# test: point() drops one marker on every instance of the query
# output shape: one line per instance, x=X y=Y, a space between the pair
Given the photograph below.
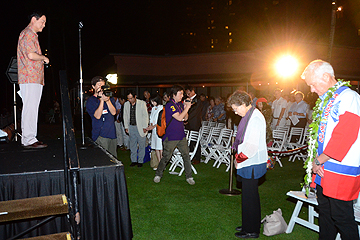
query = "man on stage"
x=31 y=78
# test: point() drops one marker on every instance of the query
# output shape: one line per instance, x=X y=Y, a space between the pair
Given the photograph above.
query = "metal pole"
x=230 y=191
x=81 y=89
x=15 y=122
x=332 y=30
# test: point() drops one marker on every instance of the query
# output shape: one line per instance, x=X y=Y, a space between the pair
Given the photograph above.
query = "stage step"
x=33 y=207
x=57 y=236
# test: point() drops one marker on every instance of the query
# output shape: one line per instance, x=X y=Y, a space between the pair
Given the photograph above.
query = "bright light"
x=112 y=78
x=286 y=66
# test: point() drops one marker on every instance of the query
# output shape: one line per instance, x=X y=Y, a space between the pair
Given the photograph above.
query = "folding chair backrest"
x=283 y=128
x=305 y=138
x=220 y=125
x=205 y=132
x=295 y=131
x=225 y=137
x=212 y=124
x=279 y=137
x=204 y=123
x=214 y=135
x=194 y=136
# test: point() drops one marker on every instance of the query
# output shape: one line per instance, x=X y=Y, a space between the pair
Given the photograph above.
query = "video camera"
x=106 y=91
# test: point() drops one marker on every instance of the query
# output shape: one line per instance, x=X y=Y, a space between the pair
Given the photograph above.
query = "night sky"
x=155 y=27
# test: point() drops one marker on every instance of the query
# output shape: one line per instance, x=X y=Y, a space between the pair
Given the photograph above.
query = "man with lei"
x=334 y=151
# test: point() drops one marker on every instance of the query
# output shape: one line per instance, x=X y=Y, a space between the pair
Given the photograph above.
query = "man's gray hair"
x=318 y=68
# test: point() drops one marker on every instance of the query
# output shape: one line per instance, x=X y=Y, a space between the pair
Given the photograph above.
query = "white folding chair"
x=295 y=133
x=204 y=136
x=311 y=204
x=221 y=152
x=279 y=137
x=177 y=160
x=211 y=140
x=220 y=125
x=294 y=139
x=304 y=142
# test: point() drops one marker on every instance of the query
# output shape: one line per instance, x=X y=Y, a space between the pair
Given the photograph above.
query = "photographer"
x=101 y=110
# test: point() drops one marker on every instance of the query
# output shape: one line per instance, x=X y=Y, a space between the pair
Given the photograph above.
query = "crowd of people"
x=136 y=122
x=116 y=123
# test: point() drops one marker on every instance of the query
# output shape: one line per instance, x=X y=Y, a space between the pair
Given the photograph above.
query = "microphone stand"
x=81 y=91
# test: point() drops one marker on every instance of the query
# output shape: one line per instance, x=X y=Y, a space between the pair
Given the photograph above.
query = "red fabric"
x=343 y=136
x=240 y=157
x=340 y=186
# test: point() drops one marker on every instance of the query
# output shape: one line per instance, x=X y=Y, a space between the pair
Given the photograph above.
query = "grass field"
x=173 y=209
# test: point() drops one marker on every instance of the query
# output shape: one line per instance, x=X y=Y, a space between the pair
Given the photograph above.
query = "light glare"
x=112 y=78
x=286 y=66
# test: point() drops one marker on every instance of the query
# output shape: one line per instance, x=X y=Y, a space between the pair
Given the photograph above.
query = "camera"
x=187 y=100
x=106 y=91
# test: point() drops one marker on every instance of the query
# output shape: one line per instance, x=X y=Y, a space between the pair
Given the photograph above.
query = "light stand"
x=12 y=74
x=81 y=90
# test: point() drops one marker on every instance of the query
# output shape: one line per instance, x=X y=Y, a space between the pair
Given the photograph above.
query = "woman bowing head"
x=250 y=162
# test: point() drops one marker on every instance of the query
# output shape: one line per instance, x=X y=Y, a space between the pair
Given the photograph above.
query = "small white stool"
x=300 y=196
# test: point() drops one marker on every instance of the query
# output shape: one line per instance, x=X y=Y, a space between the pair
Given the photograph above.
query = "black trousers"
x=336 y=216
x=198 y=150
x=251 y=210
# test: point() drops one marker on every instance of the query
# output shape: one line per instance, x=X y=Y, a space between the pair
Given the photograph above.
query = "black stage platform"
x=103 y=197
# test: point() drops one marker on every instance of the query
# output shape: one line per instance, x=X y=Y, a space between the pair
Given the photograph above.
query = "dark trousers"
x=168 y=149
x=336 y=216
x=198 y=151
x=251 y=210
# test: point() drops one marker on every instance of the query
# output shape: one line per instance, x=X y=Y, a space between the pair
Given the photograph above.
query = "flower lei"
x=313 y=130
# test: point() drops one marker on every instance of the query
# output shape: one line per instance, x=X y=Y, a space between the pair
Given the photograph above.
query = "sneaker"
x=189 y=180
x=157 y=179
x=133 y=164
x=140 y=164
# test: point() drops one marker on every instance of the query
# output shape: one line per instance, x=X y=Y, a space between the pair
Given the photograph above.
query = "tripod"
x=12 y=74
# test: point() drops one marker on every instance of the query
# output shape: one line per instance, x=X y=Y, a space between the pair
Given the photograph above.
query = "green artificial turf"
x=173 y=209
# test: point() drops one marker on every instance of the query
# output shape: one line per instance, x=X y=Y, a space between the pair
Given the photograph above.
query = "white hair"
x=318 y=68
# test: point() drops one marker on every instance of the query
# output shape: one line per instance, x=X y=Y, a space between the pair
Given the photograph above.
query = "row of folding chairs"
x=176 y=158
x=286 y=138
x=216 y=145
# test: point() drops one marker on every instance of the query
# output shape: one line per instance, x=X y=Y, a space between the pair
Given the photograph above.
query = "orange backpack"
x=161 y=124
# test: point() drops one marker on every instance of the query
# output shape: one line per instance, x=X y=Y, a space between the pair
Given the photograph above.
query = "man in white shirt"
x=278 y=107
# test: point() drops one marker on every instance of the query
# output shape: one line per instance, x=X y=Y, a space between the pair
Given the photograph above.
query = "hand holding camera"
x=187 y=102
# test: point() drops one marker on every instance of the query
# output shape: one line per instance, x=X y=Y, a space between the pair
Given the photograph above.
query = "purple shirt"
x=174 y=130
